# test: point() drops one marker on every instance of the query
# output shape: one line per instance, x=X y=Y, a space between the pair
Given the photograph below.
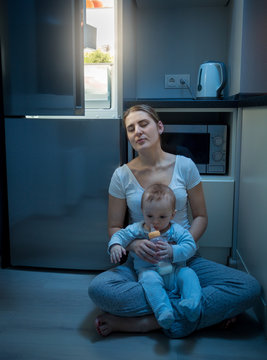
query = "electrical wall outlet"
x=177 y=81
x=171 y=81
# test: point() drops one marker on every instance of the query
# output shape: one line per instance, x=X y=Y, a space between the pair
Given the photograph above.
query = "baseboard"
x=260 y=308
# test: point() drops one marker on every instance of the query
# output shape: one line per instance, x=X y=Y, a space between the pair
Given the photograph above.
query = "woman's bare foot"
x=106 y=324
x=226 y=324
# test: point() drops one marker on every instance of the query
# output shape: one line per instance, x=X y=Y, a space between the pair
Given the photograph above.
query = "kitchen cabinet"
x=247 y=47
x=58 y=191
x=252 y=225
x=217 y=241
x=253 y=78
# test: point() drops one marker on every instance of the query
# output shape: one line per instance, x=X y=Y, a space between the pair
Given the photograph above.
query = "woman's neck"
x=153 y=157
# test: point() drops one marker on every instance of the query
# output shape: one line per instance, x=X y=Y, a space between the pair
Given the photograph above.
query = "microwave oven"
x=206 y=145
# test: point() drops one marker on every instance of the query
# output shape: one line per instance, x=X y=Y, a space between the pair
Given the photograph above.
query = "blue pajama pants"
x=226 y=292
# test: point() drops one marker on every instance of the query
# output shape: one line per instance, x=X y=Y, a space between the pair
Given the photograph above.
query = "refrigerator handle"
x=79 y=57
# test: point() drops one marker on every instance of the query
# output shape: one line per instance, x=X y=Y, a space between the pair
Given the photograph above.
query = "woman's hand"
x=116 y=253
x=164 y=250
x=145 y=249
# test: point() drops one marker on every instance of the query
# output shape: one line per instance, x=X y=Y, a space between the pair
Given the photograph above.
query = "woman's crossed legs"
x=226 y=292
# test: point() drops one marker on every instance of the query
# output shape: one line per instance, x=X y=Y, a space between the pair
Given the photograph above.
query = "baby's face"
x=158 y=214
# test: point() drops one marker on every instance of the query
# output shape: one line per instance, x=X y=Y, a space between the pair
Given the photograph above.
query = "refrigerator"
x=58 y=167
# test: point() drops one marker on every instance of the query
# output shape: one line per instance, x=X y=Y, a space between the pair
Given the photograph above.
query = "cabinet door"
x=42 y=49
x=252 y=224
x=58 y=191
x=219 y=200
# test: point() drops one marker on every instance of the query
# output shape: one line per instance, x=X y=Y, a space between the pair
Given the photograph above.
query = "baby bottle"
x=163 y=266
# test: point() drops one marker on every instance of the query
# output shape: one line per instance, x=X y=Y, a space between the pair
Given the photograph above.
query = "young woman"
x=226 y=291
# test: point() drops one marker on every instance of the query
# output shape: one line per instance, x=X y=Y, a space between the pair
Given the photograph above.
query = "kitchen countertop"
x=253 y=100
x=240 y=100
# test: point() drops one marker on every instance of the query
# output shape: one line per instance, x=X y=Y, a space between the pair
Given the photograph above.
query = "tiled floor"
x=47 y=315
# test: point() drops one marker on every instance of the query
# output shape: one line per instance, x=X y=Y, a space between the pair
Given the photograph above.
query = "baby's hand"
x=164 y=249
x=116 y=253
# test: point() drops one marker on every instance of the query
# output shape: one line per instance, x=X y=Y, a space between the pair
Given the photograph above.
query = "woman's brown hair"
x=142 y=107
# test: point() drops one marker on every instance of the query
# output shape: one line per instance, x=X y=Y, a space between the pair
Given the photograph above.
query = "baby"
x=175 y=245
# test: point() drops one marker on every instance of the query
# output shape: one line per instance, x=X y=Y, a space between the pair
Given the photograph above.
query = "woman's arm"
x=199 y=213
x=116 y=214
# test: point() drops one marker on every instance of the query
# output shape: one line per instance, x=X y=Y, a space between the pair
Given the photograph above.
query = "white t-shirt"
x=124 y=185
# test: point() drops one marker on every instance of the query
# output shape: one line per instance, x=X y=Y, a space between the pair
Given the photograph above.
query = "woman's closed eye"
x=130 y=128
x=143 y=123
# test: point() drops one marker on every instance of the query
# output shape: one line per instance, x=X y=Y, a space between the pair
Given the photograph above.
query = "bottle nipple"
x=153 y=233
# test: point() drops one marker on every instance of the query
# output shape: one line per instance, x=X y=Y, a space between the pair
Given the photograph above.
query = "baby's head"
x=158 y=206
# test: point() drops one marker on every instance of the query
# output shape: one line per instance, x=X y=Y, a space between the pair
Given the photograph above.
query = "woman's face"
x=142 y=131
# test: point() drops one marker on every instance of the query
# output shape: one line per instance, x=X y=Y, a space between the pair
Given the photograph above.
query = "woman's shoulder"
x=182 y=160
x=121 y=169
x=134 y=164
x=117 y=182
x=186 y=171
x=121 y=172
x=124 y=175
x=184 y=163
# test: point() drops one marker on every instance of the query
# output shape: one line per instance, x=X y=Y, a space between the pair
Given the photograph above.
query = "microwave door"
x=192 y=141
